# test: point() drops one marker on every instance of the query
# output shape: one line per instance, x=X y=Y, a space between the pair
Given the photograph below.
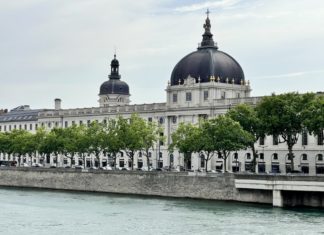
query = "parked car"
x=106 y=168
x=123 y=169
x=52 y=166
x=37 y=165
x=25 y=165
x=145 y=168
x=79 y=167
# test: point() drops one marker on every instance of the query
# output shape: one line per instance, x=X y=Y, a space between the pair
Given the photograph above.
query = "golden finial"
x=179 y=81
x=199 y=79
x=233 y=81
x=218 y=79
x=227 y=80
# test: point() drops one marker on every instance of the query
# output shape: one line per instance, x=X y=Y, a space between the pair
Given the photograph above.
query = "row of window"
x=206 y=96
x=304 y=140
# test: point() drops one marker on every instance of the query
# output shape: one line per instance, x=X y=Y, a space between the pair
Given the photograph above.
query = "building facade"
x=204 y=84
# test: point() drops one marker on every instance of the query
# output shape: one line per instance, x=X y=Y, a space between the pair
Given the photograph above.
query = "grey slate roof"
x=20 y=115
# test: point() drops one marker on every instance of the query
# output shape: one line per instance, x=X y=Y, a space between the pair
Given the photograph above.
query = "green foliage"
x=284 y=115
x=314 y=116
x=250 y=122
x=186 y=140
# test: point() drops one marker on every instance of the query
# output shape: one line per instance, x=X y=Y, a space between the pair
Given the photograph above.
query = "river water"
x=25 y=211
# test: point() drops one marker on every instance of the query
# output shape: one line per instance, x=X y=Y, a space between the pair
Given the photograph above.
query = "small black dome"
x=114 y=86
x=207 y=62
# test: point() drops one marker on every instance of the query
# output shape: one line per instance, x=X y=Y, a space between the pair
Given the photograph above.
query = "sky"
x=62 y=49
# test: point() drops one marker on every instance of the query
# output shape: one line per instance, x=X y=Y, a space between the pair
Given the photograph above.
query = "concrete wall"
x=192 y=185
x=217 y=186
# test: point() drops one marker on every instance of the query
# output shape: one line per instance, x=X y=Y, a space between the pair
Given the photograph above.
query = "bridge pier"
x=277 y=199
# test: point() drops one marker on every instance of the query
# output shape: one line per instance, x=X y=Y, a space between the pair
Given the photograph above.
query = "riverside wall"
x=167 y=184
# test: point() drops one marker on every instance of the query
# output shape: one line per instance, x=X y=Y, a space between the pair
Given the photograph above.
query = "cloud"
x=208 y=4
x=291 y=75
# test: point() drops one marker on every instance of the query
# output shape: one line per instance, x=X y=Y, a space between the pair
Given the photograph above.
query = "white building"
x=205 y=83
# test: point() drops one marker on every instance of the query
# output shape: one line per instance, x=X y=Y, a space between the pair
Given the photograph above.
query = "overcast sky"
x=62 y=49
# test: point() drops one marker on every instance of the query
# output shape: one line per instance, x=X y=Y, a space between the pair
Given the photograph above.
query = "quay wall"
x=166 y=184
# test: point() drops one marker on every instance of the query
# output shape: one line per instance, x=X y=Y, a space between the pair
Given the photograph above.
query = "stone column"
x=277 y=199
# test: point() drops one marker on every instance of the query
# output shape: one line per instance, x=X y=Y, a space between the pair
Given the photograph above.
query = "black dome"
x=207 y=62
x=114 y=86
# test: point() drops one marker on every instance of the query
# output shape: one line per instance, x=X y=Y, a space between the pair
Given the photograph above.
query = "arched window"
x=320 y=157
x=248 y=156
x=275 y=157
x=304 y=157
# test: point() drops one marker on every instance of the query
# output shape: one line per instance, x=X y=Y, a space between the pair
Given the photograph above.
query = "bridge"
x=287 y=190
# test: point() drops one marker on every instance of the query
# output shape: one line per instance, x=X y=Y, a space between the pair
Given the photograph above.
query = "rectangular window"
x=150 y=119
x=188 y=96
x=161 y=141
x=81 y=123
x=25 y=126
x=66 y=124
x=175 y=98
x=304 y=138
x=275 y=140
x=36 y=126
x=73 y=123
x=206 y=95
x=5 y=128
x=320 y=138
x=30 y=126
x=223 y=95
x=238 y=95
x=261 y=155
x=261 y=141
x=49 y=125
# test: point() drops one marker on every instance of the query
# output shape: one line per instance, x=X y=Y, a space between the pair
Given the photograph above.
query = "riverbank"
x=211 y=186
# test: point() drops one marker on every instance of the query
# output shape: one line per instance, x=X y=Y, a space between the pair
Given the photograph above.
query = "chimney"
x=57 y=104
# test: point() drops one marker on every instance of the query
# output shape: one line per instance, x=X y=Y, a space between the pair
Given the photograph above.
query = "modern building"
x=204 y=84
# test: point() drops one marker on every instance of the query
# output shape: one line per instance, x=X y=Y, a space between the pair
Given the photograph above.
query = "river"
x=25 y=211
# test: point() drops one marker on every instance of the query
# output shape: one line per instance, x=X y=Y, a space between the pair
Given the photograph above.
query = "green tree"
x=95 y=133
x=185 y=140
x=150 y=135
x=284 y=115
x=112 y=142
x=250 y=122
x=227 y=136
x=130 y=132
x=314 y=116
x=20 y=140
x=5 y=144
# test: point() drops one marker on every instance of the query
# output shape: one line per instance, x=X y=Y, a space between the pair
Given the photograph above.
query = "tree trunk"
x=291 y=156
x=254 y=158
x=132 y=159
x=147 y=160
x=225 y=159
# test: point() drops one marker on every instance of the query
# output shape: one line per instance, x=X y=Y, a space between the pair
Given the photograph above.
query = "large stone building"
x=205 y=83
